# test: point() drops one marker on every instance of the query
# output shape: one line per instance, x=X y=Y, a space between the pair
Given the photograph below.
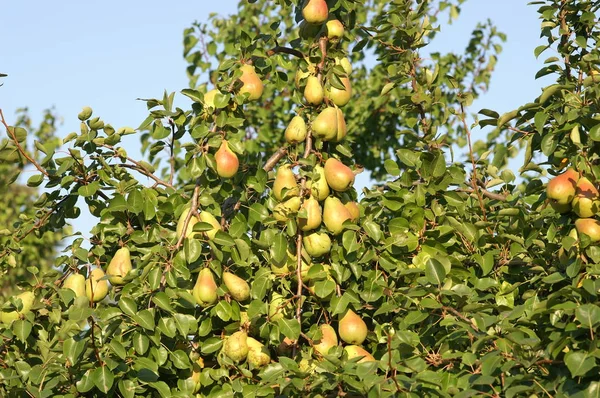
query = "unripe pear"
x=284 y=210
x=313 y=92
x=353 y=209
x=344 y=63
x=335 y=29
x=590 y=227
x=318 y=187
x=94 y=285
x=295 y=131
x=313 y=215
x=339 y=176
x=236 y=346
x=205 y=289
x=27 y=299
x=340 y=97
x=586 y=202
x=317 y=244
x=119 y=266
x=258 y=356
x=285 y=185
x=328 y=339
x=325 y=125
x=207 y=217
x=277 y=309
x=352 y=329
x=562 y=187
x=252 y=83
x=190 y=227
x=227 y=161
x=315 y=11
x=238 y=288
x=334 y=215
x=75 y=282
x=355 y=351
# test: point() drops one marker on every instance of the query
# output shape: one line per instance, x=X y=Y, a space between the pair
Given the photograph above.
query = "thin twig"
x=284 y=50
x=172 y=158
x=193 y=210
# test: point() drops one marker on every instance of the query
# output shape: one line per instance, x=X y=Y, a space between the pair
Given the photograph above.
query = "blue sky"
x=69 y=54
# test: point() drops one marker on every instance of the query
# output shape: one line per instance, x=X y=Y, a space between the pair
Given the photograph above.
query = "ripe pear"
x=313 y=92
x=94 y=285
x=205 y=289
x=334 y=215
x=562 y=187
x=341 y=126
x=344 y=63
x=313 y=215
x=284 y=210
x=236 y=346
x=352 y=329
x=27 y=299
x=207 y=217
x=119 y=266
x=355 y=351
x=258 y=356
x=325 y=125
x=317 y=244
x=295 y=131
x=75 y=282
x=227 y=161
x=335 y=29
x=238 y=288
x=339 y=176
x=285 y=185
x=587 y=200
x=252 y=83
x=315 y=11
x=318 y=187
x=353 y=209
x=338 y=96
x=190 y=227
x=328 y=339
x=590 y=227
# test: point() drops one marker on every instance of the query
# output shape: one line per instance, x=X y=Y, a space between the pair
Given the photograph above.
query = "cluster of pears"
x=240 y=347
x=317 y=21
x=201 y=216
x=27 y=299
x=206 y=293
x=570 y=192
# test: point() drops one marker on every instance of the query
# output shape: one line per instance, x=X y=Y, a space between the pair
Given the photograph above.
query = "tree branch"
x=274 y=159
x=285 y=50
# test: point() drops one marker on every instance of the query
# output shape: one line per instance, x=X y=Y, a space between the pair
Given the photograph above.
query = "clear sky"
x=69 y=54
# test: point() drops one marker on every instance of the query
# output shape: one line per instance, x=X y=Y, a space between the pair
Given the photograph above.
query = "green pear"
x=277 y=307
x=285 y=185
x=355 y=351
x=207 y=217
x=317 y=244
x=95 y=288
x=205 y=289
x=238 y=288
x=334 y=215
x=315 y=11
x=227 y=161
x=586 y=202
x=338 y=96
x=313 y=92
x=27 y=299
x=283 y=211
x=190 y=227
x=562 y=187
x=352 y=329
x=258 y=356
x=236 y=346
x=312 y=215
x=75 y=282
x=325 y=125
x=252 y=83
x=328 y=340
x=335 y=29
x=318 y=187
x=344 y=63
x=339 y=176
x=295 y=131
x=590 y=227
x=119 y=266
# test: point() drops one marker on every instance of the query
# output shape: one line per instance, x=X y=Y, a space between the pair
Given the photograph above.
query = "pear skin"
x=353 y=209
x=227 y=161
x=590 y=227
x=277 y=307
x=27 y=299
x=283 y=211
x=285 y=185
x=205 y=216
x=355 y=351
x=295 y=131
x=338 y=96
x=238 y=288
x=181 y=223
x=339 y=176
x=317 y=244
x=209 y=98
x=335 y=29
x=75 y=282
x=318 y=187
x=334 y=215
x=586 y=202
x=236 y=346
x=341 y=126
x=562 y=187
x=258 y=356
x=119 y=266
x=205 y=289
x=344 y=63
x=313 y=215
x=328 y=340
x=313 y=92
x=96 y=289
x=352 y=329
x=252 y=83
x=325 y=125
x=315 y=11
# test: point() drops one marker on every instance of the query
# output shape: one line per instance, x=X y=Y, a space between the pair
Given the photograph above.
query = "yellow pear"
x=181 y=223
x=205 y=216
x=197 y=367
x=75 y=282
x=227 y=161
x=334 y=215
x=587 y=200
x=355 y=351
x=96 y=289
x=325 y=125
x=318 y=187
x=209 y=98
x=258 y=356
x=335 y=29
x=317 y=244
x=339 y=176
x=238 y=288
x=590 y=227
x=313 y=92
x=328 y=340
x=285 y=185
x=341 y=126
x=344 y=63
x=205 y=289
x=27 y=299
x=295 y=131
x=312 y=218
x=284 y=210
x=315 y=11
x=252 y=83
x=236 y=346
x=562 y=187
x=338 y=96
x=353 y=209
x=119 y=266
x=352 y=329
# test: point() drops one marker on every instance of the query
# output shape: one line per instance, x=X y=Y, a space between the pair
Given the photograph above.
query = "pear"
x=209 y=98
x=352 y=329
x=227 y=161
x=313 y=92
x=295 y=131
x=334 y=215
x=190 y=226
x=197 y=367
x=587 y=201
x=325 y=125
x=315 y=11
x=258 y=356
x=318 y=187
x=119 y=266
x=306 y=366
x=562 y=187
x=353 y=209
x=236 y=346
x=207 y=217
x=205 y=289
x=590 y=227
x=338 y=96
x=312 y=220
x=339 y=176
x=252 y=83
x=355 y=351
x=277 y=310
x=27 y=299
x=285 y=185
x=344 y=63
x=94 y=285
x=282 y=211
x=317 y=244
x=281 y=269
x=335 y=29
x=75 y=282
x=238 y=288
x=341 y=126
x=328 y=340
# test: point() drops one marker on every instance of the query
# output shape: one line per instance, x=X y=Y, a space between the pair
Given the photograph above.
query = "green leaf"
x=103 y=379
x=435 y=272
x=595 y=132
x=22 y=329
x=579 y=363
x=588 y=315
x=289 y=327
x=145 y=319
